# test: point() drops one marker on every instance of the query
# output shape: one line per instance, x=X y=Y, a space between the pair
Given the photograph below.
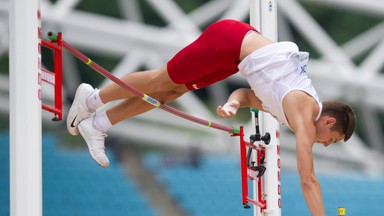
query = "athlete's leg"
x=148 y=82
x=135 y=106
x=151 y=82
x=156 y=84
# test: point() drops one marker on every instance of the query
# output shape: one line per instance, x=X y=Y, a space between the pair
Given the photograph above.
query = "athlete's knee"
x=160 y=81
x=168 y=95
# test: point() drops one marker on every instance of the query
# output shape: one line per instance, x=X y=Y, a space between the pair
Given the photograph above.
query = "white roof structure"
x=141 y=45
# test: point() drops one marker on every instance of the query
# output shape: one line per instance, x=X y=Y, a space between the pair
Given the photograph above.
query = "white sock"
x=94 y=101
x=101 y=122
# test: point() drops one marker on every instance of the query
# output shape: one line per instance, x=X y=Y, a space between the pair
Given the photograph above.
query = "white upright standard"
x=25 y=109
x=263 y=16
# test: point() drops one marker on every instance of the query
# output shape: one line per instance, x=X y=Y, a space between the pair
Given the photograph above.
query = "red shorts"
x=212 y=57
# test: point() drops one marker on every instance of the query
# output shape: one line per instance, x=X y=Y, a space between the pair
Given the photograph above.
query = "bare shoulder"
x=300 y=109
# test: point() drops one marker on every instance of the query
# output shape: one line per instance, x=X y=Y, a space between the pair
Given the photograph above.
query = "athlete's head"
x=337 y=122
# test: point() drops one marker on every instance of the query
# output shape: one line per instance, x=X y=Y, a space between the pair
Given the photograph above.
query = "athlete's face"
x=324 y=132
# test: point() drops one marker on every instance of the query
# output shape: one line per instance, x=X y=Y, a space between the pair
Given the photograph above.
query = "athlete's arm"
x=241 y=97
x=308 y=181
x=301 y=111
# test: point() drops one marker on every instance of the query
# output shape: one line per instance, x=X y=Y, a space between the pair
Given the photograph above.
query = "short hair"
x=344 y=115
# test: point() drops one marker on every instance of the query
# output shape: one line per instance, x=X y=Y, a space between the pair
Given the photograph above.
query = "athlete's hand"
x=229 y=109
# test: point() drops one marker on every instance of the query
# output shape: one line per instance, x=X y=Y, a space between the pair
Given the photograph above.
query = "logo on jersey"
x=303 y=59
x=195 y=86
x=303 y=69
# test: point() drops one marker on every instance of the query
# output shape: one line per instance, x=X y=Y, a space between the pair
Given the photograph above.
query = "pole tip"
x=235 y=130
x=52 y=36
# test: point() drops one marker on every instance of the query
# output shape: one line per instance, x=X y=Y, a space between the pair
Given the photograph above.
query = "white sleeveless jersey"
x=275 y=70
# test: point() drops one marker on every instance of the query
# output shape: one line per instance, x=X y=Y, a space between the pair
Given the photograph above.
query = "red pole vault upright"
x=54 y=78
x=253 y=170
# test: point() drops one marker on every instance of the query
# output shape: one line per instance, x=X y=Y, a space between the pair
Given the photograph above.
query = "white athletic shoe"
x=95 y=141
x=79 y=109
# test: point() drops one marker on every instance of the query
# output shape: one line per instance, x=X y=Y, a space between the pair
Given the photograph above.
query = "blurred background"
x=164 y=165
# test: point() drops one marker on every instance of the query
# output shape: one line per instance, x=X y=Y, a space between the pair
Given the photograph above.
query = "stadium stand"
x=74 y=186
x=214 y=188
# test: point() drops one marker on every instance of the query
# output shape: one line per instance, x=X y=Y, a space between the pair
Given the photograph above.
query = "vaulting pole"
x=140 y=94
